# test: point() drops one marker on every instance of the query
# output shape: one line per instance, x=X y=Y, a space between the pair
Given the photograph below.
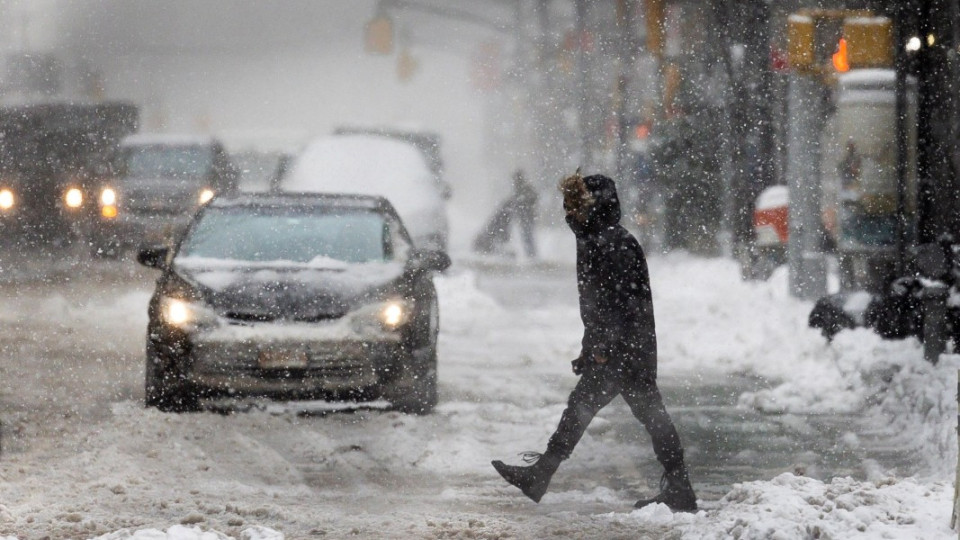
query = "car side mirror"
x=430 y=260
x=153 y=256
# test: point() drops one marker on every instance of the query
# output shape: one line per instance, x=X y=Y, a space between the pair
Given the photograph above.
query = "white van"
x=374 y=165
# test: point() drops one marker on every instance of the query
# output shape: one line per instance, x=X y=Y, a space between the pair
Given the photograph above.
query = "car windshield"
x=164 y=161
x=300 y=235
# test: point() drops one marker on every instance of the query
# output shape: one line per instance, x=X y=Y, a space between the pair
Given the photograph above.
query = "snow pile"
x=182 y=532
x=759 y=329
x=920 y=404
x=796 y=507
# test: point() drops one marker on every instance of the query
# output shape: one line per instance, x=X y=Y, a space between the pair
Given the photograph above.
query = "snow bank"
x=797 y=507
x=757 y=328
x=182 y=532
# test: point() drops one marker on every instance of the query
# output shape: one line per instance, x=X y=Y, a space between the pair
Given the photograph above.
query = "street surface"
x=71 y=389
x=726 y=443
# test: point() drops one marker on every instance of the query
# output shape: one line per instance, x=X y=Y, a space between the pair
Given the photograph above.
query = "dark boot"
x=533 y=479
x=675 y=492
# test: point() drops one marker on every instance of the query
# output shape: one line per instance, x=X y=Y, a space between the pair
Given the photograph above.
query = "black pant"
x=525 y=219
x=597 y=387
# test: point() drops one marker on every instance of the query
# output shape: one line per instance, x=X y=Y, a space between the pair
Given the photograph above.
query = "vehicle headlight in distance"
x=108 y=197
x=73 y=198
x=185 y=314
x=206 y=195
x=7 y=199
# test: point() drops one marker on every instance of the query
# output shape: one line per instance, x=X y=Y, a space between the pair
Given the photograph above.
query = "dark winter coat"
x=616 y=305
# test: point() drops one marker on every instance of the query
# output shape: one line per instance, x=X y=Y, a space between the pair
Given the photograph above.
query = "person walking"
x=619 y=346
x=525 y=208
x=521 y=208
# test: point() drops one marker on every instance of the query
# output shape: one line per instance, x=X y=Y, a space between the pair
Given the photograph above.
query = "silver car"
x=293 y=296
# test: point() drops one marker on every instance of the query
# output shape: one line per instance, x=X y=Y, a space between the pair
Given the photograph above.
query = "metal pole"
x=735 y=129
x=807 y=263
x=934 y=321
x=900 y=93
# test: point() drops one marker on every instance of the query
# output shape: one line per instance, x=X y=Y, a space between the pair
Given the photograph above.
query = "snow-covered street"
x=767 y=155
x=787 y=436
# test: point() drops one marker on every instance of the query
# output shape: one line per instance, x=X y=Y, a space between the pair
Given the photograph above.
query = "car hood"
x=288 y=291
x=155 y=193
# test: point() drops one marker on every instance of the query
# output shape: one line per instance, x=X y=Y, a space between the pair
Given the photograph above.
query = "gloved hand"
x=577 y=365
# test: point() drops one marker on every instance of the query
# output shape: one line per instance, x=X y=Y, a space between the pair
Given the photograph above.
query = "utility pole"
x=746 y=24
x=900 y=96
x=807 y=98
x=936 y=117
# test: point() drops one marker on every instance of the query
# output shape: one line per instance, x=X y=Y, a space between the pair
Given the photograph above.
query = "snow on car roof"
x=293 y=198
x=364 y=164
x=171 y=139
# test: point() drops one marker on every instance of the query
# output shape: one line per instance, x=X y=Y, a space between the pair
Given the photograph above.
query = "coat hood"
x=603 y=210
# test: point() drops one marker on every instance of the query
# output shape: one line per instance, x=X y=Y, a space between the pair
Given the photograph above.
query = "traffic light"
x=379 y=35
x=869 y=41
x=841 y=58
x=829 y=41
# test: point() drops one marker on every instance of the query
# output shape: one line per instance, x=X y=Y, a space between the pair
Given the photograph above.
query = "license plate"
x=282 y=359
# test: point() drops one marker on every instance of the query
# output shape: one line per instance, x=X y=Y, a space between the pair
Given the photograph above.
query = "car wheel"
x=418 y=393
x=420 y=396
x=429 y=325
x=165 y=390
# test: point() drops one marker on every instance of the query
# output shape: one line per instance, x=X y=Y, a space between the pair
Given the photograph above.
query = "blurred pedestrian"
x=525 y=209
x=520 y=208
x=850 y=167
x=619 y=346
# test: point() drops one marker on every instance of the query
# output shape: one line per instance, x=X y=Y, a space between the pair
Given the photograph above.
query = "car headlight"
x=73 y=198
x=393 y=314
x=108 y=197
x=185 y=314
x=386 y=315
x=7 y=200
x=206 y=195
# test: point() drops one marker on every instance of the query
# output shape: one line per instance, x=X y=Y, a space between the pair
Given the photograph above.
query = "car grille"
x=251 y=317
x=322 y=361
x=151 y=204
